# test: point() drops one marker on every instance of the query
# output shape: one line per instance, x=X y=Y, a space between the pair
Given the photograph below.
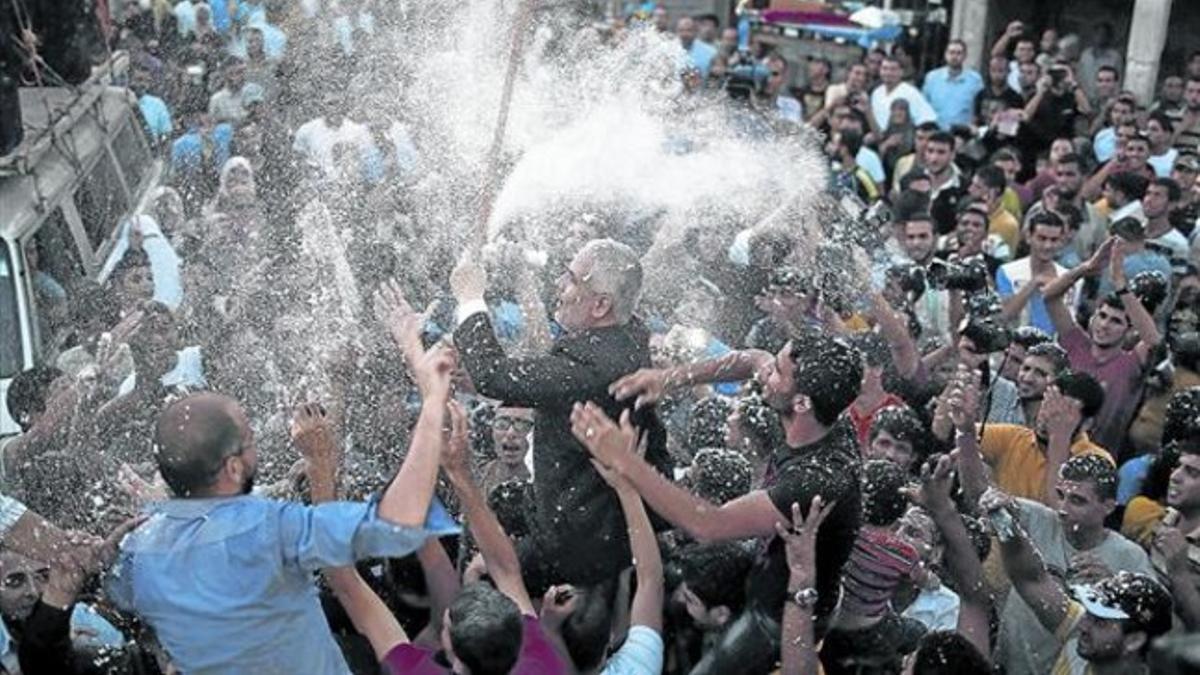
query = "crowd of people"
x=300 y=428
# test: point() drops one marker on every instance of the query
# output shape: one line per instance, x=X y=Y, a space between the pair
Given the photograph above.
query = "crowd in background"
x=280 y=437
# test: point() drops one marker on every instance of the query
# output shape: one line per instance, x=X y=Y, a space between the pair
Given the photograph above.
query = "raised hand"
x=468 y=280
x=559 y=603
x=937 y=479
x=456 y=450
x=647 y=386
x=1095 y=264
x=401 y=321
x=433 y=371
x=1062 y=414
x=801 y=539
x=311 y=432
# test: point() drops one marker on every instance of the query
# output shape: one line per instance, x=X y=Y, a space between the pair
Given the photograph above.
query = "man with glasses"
x=511 y=429
x=579 y=527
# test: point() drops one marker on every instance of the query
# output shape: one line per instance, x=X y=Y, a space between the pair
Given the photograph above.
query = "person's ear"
x=234 y=469
x=801 y=404
x=1110 y=505
x=1133 y=642
x=602 y=307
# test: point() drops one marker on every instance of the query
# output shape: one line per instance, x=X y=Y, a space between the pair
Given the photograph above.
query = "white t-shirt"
x=315 y=139
x=881 y=104
x=642 y=654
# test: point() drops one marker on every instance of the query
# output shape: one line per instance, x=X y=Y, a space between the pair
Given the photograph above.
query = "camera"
x=983 y=325
x=909 y=277
x=970 y=275
x=745 y=80
x=987 y=333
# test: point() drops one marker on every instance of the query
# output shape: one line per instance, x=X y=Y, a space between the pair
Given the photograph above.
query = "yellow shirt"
x=1069 y=662
x=1002 y=224
x=1012 y=203
x=1019 y=464
x=1141 y=519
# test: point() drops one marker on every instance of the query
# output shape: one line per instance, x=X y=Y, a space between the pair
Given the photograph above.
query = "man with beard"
x=1175 y=552
x=225 y=578
x=579 y=525
x=810 y=383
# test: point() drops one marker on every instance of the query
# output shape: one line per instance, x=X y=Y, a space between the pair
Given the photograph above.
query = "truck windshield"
x=10 y=329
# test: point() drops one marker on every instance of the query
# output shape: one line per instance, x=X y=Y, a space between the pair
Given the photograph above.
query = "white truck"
x=84 y=165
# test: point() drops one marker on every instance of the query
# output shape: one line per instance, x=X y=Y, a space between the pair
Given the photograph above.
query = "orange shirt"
x=1019 y=463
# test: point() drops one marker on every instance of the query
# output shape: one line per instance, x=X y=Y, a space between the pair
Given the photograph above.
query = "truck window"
x=53 y=260
x=11 y=362
x=101 y=201
x=132 y=154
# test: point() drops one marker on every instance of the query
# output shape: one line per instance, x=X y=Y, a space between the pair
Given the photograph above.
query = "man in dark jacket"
x=579 y=523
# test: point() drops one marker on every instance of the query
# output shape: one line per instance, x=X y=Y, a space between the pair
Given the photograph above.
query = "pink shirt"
x=537 y=656
x=1121 y=377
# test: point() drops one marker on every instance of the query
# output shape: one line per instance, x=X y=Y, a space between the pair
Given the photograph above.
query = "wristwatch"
x=805 y=598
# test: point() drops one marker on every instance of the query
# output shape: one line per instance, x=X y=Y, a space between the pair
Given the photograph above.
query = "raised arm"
x=503 y=565
x=904 y=351
x=1054 y=291
x=322 y=459
x=964 y=413
x=648 y=385
x=647 y=609
x=1142 y=321
x=798 y=651
x=1064 y=415
x=752 y=515
x=1025 y=568
x=963 y=563
x=1011 y=32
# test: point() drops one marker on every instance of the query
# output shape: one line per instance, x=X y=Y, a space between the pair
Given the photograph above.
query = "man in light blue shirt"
x=225 y=578
x=700 y=53
x=952 y=89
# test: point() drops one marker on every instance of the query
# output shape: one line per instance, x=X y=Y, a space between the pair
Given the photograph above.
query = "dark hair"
x=28 y=391
x=1110 y=69
x=706 y=423
x=192 y=439
x=1083 y=388
x=1181 y=419
x=132 y=259
x=724 y=476
x=1163 y=120
x=992 y=177
x=1045 y=219
x=485 y=629
x=882 y=501
x=1094 y=468
x=1057 y=356
x=586 y=632
x=874 y=348
x=1158 y=475
x=947 y=652
x=1174 y=192
x=1113 y=301
x=716 y=572
x=1029 y=336
x=1073 y=158
x=1132 y=185
x=908 y=204
x=1071 y=216
x=852 y=140
x=1005 y=155
x=928 y=127
x=903 y=424
x=942 y=137
x=760 y=421
x=829 y=372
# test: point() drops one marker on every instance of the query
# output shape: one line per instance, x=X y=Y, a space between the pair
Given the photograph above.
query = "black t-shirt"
x=829 y=468
x=988 y=102
x=1055 y=117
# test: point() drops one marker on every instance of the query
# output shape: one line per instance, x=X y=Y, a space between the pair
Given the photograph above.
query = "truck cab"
x=83 y=167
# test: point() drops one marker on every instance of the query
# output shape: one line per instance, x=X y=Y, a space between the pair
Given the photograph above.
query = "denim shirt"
x=227 y=584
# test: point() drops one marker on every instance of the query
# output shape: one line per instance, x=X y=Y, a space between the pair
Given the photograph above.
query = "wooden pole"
x=491 y=182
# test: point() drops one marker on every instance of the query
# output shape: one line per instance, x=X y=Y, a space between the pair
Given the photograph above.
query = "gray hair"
x=616 y=272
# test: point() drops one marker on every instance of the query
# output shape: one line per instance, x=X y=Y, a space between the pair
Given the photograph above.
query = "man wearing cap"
x=1106 y=621
x=1104 y=627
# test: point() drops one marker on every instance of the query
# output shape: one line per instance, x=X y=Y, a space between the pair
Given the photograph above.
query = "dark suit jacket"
x=578 y=524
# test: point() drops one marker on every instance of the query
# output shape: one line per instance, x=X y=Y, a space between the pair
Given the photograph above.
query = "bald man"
x=225 y=577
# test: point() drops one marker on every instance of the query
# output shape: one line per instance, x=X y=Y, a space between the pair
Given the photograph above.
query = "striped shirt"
x=880 y=562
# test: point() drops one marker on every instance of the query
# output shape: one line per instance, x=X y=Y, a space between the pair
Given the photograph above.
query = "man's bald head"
x=193 y=437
